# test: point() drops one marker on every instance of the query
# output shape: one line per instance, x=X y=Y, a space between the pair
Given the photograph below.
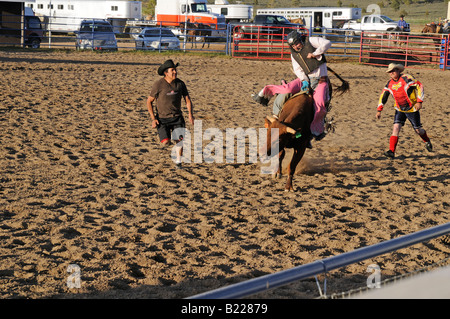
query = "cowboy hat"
x=167 y=65
x=393 y=66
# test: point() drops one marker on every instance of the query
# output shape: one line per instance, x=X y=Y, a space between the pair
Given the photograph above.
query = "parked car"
x=157 y=39
x=96 y=35
x=33 y=32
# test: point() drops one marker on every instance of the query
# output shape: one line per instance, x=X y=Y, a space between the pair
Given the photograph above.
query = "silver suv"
x=96 y=35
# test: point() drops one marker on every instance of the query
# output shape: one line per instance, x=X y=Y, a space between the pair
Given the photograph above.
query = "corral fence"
x=271 y=281
x=411 y=50
x=63 y=34
x=374 y=48
x=262 y=42
x=270 y=42
x=240 y=40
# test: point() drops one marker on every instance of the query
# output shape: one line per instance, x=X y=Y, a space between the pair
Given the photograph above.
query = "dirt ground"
x=86 y=182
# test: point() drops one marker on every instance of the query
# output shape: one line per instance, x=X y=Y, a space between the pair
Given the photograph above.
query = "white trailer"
x=317 y=17
x=232 y=12
x=66 y=15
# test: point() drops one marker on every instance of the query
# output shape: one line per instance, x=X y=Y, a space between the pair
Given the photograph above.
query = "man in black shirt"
x=167 y=92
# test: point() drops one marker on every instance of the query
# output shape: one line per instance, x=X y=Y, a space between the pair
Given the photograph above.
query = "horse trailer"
x=317 y=17
x=66 y=15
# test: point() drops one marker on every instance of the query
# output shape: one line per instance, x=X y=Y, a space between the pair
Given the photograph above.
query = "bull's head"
x=284 y=136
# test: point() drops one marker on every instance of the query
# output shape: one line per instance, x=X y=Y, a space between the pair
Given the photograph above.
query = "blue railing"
x=287 y=276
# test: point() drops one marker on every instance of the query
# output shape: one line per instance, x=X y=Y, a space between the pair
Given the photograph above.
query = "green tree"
x=148 y=8
x=395 y=4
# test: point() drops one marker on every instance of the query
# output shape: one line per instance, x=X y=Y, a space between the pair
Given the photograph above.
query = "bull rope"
x=345 y=87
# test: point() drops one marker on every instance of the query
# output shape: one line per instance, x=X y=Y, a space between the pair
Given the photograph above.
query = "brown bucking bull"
x=294 y=131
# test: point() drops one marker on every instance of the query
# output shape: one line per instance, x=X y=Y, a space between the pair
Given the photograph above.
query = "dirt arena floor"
x=85 y=181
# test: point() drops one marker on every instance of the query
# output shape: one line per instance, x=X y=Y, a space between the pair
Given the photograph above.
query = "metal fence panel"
x=281 y=278
x=260 y=44
x=412 y=50
x=59 y=33
x=374 y=48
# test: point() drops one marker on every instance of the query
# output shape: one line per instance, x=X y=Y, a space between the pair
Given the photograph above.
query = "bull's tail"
x=345 y=86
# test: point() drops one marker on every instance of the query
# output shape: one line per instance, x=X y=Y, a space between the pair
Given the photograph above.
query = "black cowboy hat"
x=167 y=65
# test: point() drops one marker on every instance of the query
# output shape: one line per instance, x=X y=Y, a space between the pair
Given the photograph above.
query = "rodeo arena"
x=36 y=26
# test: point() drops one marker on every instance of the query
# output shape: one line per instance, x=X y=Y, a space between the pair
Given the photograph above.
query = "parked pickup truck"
x=266 y=26
x=373 y=22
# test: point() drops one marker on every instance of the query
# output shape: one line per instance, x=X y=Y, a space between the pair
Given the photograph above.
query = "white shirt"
x=321 y=45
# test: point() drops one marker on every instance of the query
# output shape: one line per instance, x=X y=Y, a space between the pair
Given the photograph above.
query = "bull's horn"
x=271 y=118
x=291 y=130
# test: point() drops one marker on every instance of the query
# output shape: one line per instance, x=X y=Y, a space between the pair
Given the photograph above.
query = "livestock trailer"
x=66 y=15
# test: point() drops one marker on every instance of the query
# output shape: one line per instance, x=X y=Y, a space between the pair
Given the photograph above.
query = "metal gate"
x=411 y=50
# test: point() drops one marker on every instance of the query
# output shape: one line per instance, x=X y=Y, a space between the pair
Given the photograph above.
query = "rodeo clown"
x=408 y=97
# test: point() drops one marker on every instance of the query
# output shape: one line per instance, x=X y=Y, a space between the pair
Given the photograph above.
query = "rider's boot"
x=260 y=99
